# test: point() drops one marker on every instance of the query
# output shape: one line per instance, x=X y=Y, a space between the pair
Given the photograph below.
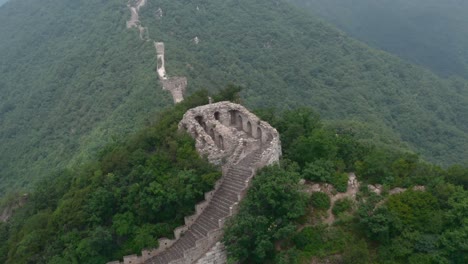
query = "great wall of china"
x=230 y=136
x=237 y=140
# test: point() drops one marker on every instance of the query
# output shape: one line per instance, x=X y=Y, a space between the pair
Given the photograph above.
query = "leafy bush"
x=342 y=205
x=320 y=240
x=320 y=170
x=340 y=181
x=356 y=253
x=267 y=214
x=320 y=200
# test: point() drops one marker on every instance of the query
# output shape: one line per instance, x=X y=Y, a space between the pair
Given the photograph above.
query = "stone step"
x=238 y=173
x=205 y=225
x=219 y=212
x=220 y=206
x=240 y=184
x=227 y=200
x=234 y=188
x=211 y=218
x=239 y=180
x=173 y=254
x=212 y=215
x=197 y=234
x=190 y=236
x=211 y=221
x=226 y=191
x=230 y=194
x=220 y=202
x=239 y=169
x=186 y=244
x=177 y=249
x=200 y=229
x=161 y=259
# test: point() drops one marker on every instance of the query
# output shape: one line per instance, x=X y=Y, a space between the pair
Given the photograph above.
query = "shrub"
x=342 y=205
x=340 y=182
x=319 y=171
x=320 y=201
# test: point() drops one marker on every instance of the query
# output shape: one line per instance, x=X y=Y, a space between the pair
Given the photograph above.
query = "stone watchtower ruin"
x=237 y=140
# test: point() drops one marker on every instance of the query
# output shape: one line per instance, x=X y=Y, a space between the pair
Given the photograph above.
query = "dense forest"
x=137 y=191
x=431 y=33
x=280 y=222
x=73 y=78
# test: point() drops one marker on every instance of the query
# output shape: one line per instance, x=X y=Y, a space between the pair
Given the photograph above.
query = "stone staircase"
x=232 y=189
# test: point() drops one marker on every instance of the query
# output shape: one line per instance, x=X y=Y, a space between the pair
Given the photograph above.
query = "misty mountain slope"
x=73 y=77
x=427 y=32
x=286 y=59
x=69 y=72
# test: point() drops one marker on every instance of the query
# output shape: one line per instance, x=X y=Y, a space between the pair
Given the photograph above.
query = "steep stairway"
x=224 y=199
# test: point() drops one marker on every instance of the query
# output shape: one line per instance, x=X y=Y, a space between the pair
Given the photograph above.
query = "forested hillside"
x=432 y=33
x=73 y=77
x=136 y=191
x=139 y=190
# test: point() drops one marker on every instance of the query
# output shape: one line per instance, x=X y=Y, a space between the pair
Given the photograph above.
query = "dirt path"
x=353 y=188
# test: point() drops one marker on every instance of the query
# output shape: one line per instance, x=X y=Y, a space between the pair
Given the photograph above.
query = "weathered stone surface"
x=216 y=255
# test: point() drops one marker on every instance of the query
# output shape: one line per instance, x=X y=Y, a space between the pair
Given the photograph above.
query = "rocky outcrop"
x=230 y=136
